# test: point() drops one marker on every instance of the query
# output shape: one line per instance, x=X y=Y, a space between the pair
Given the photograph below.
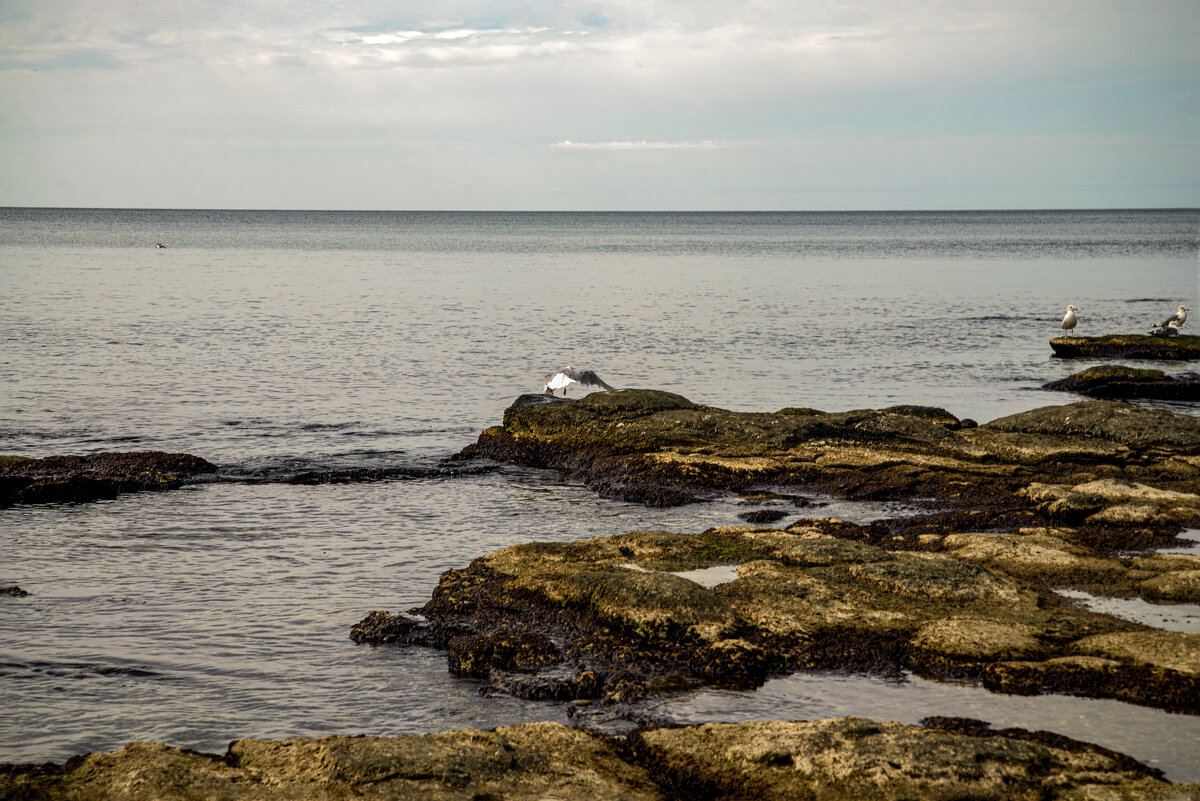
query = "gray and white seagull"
x=569 y=375
x=1177 y=319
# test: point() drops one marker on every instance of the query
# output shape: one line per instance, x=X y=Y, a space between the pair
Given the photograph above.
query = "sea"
x=274 y=343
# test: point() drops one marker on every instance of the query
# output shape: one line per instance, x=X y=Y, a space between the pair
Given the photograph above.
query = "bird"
x=1069 y=319
x=569 y=375
x=1175 y=320
x=161 y=245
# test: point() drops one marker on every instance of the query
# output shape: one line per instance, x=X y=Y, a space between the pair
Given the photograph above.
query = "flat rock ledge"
x=1128 y=346
x=99 y=476
x=832 y=760
x=609 y=622
x=659 y=448
x=1117 y=382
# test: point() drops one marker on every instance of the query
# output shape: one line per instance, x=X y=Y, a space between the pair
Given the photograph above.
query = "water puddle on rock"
x=1170 y=617
x=1159 y=739
x=706 y=576
x=1192 y=537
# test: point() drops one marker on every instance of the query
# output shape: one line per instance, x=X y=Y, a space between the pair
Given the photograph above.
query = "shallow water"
x=273 y=343
x=1159 y=739
x=1169 y=617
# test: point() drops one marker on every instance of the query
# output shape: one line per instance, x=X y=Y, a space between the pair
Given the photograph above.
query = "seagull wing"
x=587 y=378
x=558 y=380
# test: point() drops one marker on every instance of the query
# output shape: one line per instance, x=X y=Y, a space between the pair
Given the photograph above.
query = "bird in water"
x=569 y=375
x=1170 y=326
x=1069 y=319
x=161 y=245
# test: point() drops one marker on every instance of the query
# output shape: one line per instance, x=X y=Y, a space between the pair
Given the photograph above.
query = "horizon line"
x=607 y=211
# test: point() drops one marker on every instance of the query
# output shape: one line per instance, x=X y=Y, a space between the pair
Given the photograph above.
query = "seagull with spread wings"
x=569 y=375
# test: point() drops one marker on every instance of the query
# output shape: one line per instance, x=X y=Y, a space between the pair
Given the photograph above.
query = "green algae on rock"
x=833 y=760
x=535 y=760
x=1128 y=346
x=616 y=623
x=57 y=479
x=658 y=448
x=1118 y=382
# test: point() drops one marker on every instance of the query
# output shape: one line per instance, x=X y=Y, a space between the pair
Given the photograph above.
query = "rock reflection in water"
x=1159 y=739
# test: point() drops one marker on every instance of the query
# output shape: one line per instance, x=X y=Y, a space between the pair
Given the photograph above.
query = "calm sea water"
x=271 y=342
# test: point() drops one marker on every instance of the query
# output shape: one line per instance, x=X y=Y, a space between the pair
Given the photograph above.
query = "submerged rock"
x=847 y=758
x=58 y=479
x=1120 y=383
x=1128 y=346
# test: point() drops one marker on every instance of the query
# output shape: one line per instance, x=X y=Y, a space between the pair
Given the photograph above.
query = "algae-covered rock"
x=853 y=758
x=1105 y=421
x=58 y=479
x=846 y=758
x=658 y=448
x=1128 y=346
x=613 y=621
x=536 y=760
x=1117 y=382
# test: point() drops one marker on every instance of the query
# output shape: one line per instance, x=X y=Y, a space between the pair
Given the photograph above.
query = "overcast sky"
x=600 y=105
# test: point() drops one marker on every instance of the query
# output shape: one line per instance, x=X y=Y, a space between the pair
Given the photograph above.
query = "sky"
x=577 y=105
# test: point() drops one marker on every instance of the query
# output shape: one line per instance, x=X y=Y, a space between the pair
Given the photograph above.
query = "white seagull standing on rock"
x=1069 y=319
x=569 y=375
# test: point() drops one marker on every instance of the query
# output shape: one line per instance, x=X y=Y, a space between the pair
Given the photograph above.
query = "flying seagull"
x=1170 y=326
x=569 y=375
x=1069 y=319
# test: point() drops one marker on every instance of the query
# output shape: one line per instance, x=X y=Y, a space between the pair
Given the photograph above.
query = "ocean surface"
x=272 y=343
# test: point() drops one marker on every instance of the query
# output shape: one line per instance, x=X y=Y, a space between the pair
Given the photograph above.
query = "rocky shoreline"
x=833 y=760
x=964 y=586
x=1054 y=498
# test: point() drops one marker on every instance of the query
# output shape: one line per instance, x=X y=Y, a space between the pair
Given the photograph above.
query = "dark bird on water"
x=160 y=245
x=569 y=375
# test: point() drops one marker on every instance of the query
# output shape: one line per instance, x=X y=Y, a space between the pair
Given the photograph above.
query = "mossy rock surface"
x=835 y=760
x=58 y=479
x=628 y=622
x=1128 y=346
x=1119 y=382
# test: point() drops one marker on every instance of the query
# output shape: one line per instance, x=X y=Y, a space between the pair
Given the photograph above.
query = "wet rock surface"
x=1128 y=346
x=849 y=758
x=607 y=621
x=658 y=448
x=1119 y=382
x=59 y=479
x=1053 y=498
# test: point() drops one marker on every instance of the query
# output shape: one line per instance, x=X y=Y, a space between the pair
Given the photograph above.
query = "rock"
x=59 y=479
x=855 y=758
x=1127 y=346
x=536 y=760
x=658 y=448
x=844 y=758
x=764 y=516
x=14 y=591
x=1122 y=383
x=607 y=618
x=973 y=639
